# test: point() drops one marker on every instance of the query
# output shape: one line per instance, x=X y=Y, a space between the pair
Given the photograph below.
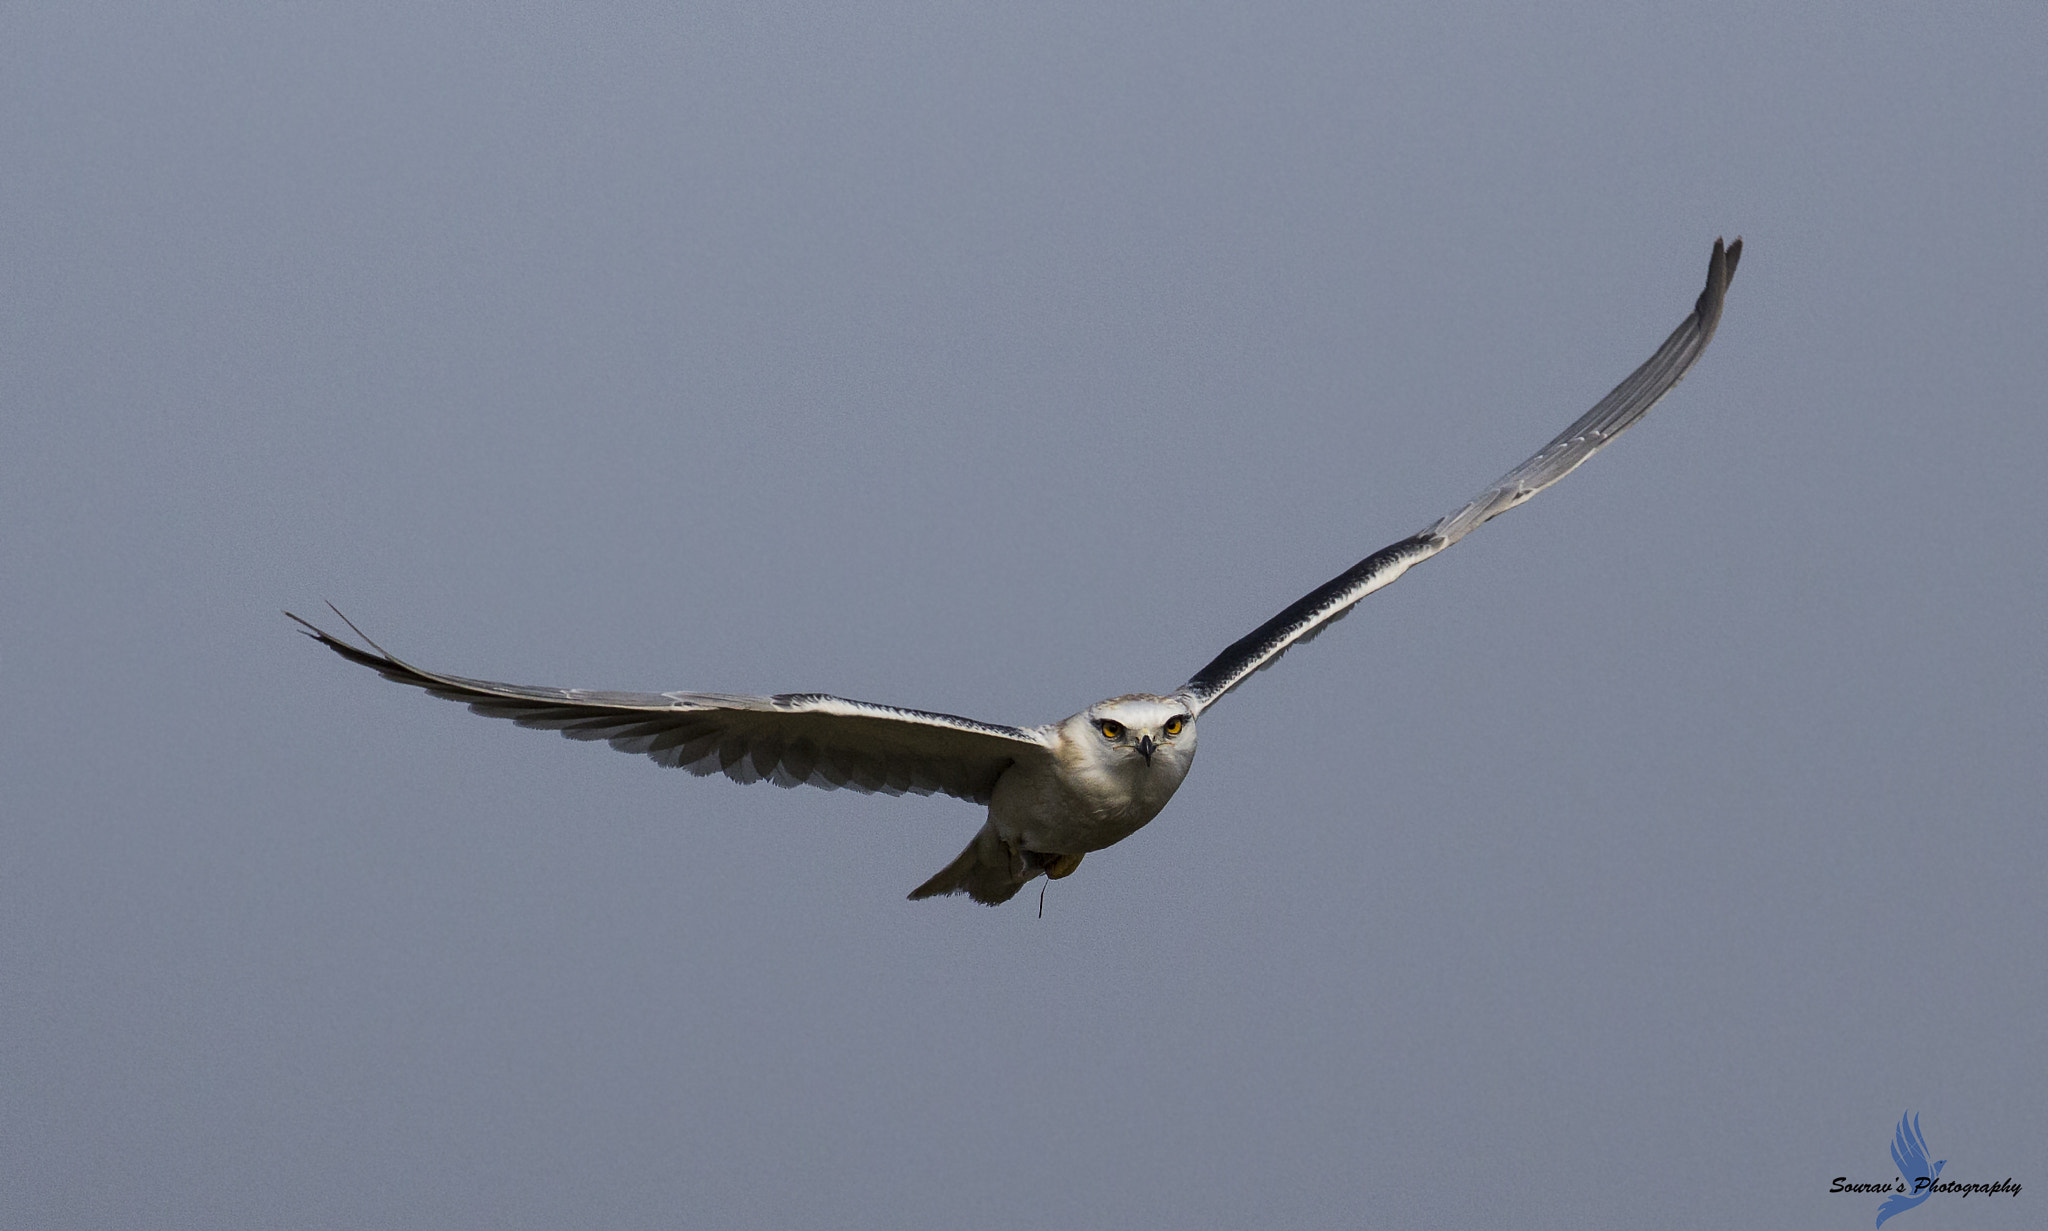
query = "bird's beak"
x=1145 y=747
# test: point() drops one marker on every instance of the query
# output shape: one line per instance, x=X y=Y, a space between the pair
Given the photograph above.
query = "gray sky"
x=1638 y=862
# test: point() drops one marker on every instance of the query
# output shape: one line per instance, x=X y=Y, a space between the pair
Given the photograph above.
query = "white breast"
x=1087 y=796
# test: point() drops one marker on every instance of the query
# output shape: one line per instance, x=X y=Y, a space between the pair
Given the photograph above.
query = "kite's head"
x=1138 y=732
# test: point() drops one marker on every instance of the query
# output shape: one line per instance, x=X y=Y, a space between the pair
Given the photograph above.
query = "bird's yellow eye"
x=1111 y=730
x=1174 y=724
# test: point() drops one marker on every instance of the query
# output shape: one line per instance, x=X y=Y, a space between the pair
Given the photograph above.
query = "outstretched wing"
x=1628 y=402
x=790 y=740
x=1909 y=1148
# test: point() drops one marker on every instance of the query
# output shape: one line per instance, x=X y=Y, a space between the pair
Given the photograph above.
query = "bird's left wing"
x=791 y=740
x=1613 y=414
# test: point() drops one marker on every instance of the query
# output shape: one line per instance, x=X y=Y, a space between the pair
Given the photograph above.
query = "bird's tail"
x=991 y=871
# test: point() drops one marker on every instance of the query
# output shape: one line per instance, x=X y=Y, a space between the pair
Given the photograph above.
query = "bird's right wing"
x=1628 y=402
x=1909 y=1148
x=791 y=740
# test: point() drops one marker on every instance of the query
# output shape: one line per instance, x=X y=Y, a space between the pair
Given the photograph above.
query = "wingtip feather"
x=1720 y=272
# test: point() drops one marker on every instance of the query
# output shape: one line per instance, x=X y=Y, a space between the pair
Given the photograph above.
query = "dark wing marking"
x=1613 y=414
x=790 y=740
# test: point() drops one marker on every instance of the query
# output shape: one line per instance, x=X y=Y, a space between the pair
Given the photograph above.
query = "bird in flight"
x=1909 y=1154
x=1054 y=792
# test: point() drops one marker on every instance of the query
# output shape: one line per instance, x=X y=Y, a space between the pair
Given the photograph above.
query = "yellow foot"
x=1062 y=865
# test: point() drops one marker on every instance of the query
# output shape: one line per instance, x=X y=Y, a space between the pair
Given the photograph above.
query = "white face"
x=1146 y=731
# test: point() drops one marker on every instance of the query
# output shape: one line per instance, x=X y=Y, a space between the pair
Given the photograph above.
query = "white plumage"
x=1054 y=792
